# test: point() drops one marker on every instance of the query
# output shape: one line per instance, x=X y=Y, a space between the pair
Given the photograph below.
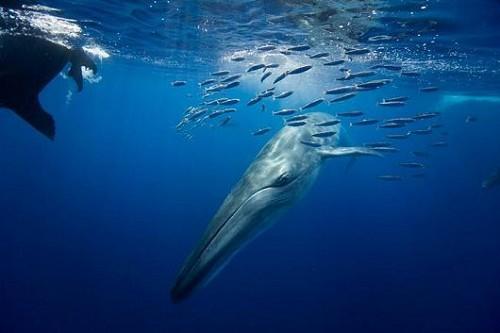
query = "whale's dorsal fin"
x=328 y=152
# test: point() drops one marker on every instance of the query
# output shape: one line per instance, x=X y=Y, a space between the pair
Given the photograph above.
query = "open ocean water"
x=96 y=224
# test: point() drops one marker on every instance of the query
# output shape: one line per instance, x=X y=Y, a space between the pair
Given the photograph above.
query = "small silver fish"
x=340 y=90
x=439 y=144
x=220 y=73
x=299 y=48
x=334 y=62
x=412 y=165
x=357 y=51
x=392 y=103
x=232 y=85
x=283 y=94
x=284 y=112
x=207 y=82
x=425 y=131
x=297 y=118
x=328 y=123
x=266 y=93
x=324 y=134
x=265 y=76
x=429 y=89
x=319 y=55
x=178 y=83
x=313 y=103
x=372 y=84
x=343 y=97
x=380 y=38
x=299 y=70
x=398 y=136
x=390 y=178
x=396 y=99
x=391 y=125
x=311 y=143
x=280 y=77
x=255 y=67
x=350 y=114
x=231 y=101
x=272 y=65
x=426 y=115
x=220 y=113
x=254 y=100
x=261 y=131
x=266 y=48
x=295 y=123
x=364 y=122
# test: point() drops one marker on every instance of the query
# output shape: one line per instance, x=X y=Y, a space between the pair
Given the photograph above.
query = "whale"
x=27 y=65
x=282 y=172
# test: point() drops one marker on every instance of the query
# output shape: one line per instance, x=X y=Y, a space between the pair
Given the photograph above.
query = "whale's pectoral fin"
x=328 y=152
x=79 y=58
x=33 y=113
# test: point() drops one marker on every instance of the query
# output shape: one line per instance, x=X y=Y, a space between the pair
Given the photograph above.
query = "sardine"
x=220 y=73
x=390 y=178
x=398 y=136
x=207 y=82
x=300 y=70
x=334 y=62
x=343 y=97
x=340 y=90
x=284 y=112
x=412 y=165
x=357 y=51
x=311 y=143
x=429 y=89
x=328 y=123
x=283 y=94
x=178 y=83
x=265 y=76
x=313 y=103
x=324 y=134
x=280 y=77
x=255 y=67
x=319 y=55
x=392 y=103
x=266 y=48
x=299 y=48
x=396 y=99
x=261 y=131
x=350 y=114
x=364 y=122
x=254 y=100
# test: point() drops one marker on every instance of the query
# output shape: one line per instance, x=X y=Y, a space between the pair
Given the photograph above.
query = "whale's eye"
x=282 y=180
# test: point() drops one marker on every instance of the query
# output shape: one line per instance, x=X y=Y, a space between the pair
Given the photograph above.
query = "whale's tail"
x=79 y=59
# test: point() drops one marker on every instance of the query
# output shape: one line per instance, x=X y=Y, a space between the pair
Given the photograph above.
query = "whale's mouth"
x=226 y=240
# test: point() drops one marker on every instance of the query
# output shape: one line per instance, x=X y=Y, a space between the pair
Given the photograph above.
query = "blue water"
x=96 y=224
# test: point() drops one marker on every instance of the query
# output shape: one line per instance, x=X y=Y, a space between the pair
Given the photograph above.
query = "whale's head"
x=286 y=166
